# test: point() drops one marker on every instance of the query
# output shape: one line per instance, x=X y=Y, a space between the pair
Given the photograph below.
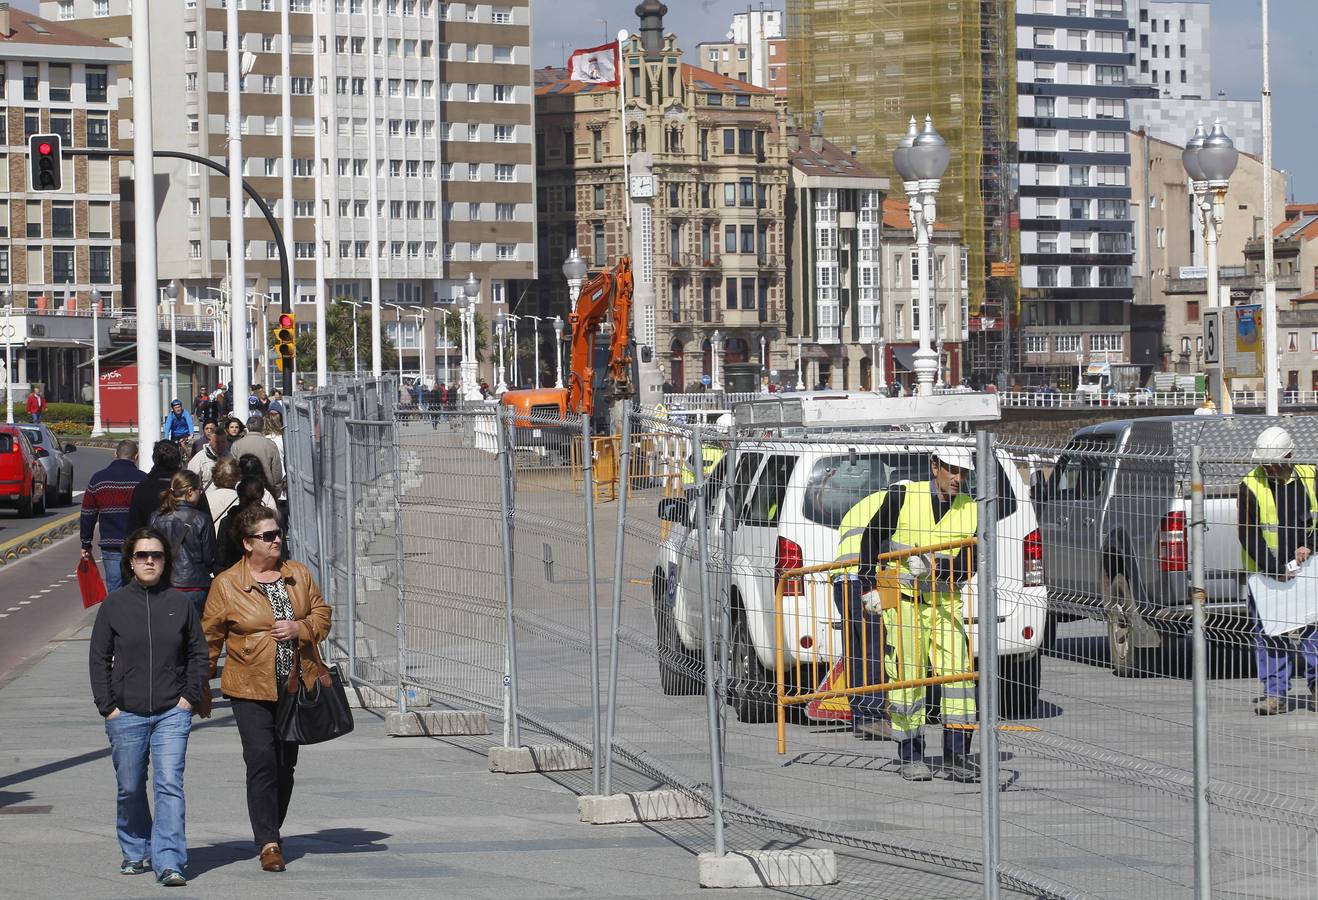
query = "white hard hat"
x=724 y=421
x=960 y=457
x=1273 y=445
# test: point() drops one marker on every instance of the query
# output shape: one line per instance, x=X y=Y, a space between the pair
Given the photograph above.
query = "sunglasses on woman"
x=148 y=556
x=268 y=536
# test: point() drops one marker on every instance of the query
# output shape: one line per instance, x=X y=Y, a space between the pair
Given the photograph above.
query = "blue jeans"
x=161 y=739
x=1272 y=655
x=110 y=573
x=864 y=648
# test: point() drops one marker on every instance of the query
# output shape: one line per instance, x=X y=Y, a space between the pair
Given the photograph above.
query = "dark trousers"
x=270 y=764
x=863 y=647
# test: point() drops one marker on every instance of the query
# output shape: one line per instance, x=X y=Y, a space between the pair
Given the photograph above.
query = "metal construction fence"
x=670 y=600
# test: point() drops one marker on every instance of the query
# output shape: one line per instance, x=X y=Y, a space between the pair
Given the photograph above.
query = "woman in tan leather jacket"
x=260 y=609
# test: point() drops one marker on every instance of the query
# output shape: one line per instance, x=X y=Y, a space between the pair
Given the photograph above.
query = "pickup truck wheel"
x=1128 y=660
x=1018 y=684
x=678 y=668
x=752 y=690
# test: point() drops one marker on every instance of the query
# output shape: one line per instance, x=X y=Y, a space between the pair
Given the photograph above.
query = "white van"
x=788 y=500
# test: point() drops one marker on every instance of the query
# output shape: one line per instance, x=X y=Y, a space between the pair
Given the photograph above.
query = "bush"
x=64 y=430
x=80 y=413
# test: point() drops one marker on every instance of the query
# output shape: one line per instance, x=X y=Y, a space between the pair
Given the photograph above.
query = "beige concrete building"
x=709 y=172
x=56 y=248
x=426 y=166
x=1169 y=273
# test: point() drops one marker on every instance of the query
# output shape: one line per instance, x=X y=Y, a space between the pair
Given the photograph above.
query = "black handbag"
x=311 y=716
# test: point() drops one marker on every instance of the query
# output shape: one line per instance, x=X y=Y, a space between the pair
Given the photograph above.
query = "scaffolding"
x=869 y=65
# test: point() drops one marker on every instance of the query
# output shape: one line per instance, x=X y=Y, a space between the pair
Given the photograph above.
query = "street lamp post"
x=800 y=346
x=356 y=363
x=1079 y=368
x=500 y=329
x=921 y=158
x=419 y=314
x=97 y=429
x=9 y=358
x=1209 y=159
x=398 y=344
x=558 y=351
x=535 y=377
x=471 y=290
x=938 y=346
x=444 y=314
x=172 y=293
x=715 y=339
x=514 y=370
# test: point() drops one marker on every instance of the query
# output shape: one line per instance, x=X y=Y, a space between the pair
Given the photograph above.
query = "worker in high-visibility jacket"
x=926 y=633
x=710 y=455
x=1276 y=508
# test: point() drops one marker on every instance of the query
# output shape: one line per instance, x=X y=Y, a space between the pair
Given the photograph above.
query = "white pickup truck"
x=1114 y=515
x=789 y=498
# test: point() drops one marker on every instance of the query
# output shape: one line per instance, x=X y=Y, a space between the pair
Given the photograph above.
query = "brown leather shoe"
x=272 y=858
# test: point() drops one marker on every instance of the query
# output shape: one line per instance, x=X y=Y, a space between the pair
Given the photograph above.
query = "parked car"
x=788 y=501
x=22 y=476
x=1113 y=519
x=55 y=460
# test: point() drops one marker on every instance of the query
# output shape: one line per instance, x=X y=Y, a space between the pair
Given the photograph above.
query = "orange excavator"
x=600 y=375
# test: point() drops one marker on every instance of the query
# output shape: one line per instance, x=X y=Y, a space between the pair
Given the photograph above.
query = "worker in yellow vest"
x=926 y=633
x=709 y=455
x=1276 y=508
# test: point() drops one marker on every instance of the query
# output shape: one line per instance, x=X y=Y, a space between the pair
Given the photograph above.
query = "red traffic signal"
x=285 y=336
x=285 y=320
x=44 y=164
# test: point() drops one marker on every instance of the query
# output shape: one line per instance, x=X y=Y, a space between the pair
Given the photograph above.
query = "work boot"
x=959 y=768
x=915 y=770
x=1270 y=706
x=873 y=730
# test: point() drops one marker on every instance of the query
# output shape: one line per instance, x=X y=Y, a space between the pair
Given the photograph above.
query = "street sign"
x=1212 y=338
x=705 y=380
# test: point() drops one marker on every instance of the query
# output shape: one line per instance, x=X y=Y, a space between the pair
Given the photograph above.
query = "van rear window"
x=836 y=483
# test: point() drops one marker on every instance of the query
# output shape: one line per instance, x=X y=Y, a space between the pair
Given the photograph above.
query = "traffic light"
x=285 y=339
x=45 y=163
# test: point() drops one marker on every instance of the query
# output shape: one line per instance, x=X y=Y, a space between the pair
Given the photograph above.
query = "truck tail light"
x=1033 y=558
x=1172 y=555
x=788 y=556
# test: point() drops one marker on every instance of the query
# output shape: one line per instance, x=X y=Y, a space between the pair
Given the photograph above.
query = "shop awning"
x=905 y=358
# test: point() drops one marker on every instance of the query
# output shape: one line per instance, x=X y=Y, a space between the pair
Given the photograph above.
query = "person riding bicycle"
x=178 y=424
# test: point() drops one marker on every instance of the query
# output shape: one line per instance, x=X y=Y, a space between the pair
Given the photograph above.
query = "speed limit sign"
x=1213 y=337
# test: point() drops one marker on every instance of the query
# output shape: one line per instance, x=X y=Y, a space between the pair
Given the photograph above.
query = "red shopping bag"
x=90 y=583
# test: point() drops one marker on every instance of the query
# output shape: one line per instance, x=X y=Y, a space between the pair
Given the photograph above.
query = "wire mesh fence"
x=964 y=653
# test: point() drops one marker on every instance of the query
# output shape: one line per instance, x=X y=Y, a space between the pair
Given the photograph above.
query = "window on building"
x=598 y=256
x=34 y=218
x=598 y=192
x=31 y=81
x=61 y=219
x=61 y=265
x=60 y=77
x=1047 y=276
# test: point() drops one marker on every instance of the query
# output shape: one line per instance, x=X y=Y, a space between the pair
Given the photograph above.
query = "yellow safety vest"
x=851 y=530
x=916 y=528
x=709 y=456
x=1257 y=484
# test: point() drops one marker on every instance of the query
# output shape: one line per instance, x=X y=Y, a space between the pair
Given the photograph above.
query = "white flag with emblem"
x=596 y=65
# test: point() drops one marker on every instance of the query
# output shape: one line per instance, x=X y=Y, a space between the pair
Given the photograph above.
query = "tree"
x=453 y=331
x=338 y=340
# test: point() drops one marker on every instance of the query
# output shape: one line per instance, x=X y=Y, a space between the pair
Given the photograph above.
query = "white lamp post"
x=356 y=363
x=1209 y=159
x=419 y=314
x=558 y=351
x=445 y=346
x=172 y=293
x=921 y=159
x=938 y=329
x=398 y=344
x=500 y=329
x=574 y=270
x=715 y=340
x=1079 y=368
x=97 y=429
x=514 y=370
x=471 y=291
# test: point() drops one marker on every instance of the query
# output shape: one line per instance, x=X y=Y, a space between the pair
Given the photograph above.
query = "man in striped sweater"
x=106 y=500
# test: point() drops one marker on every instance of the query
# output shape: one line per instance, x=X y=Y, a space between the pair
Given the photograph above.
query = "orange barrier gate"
x=889 y=589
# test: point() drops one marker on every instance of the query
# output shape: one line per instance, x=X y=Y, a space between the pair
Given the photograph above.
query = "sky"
x=1237 y=64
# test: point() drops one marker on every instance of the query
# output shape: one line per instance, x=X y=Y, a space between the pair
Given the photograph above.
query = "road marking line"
x=77 y=494
x=4 y=615
x=12 y=609
x=24 y=602
x=34 y=596
x=45 y=590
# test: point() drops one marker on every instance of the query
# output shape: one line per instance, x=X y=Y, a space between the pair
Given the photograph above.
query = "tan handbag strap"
x=296 y=672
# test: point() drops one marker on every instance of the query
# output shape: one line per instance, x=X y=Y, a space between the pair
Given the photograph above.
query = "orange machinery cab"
x=540 y=422
x=22 y=477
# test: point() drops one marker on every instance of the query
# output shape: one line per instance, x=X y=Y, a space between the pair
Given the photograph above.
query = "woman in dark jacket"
x=190 y=535
x=148 y=665
x=251 y=492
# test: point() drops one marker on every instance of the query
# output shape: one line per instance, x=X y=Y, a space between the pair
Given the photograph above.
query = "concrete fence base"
x=544 y=758
x=640 y=806
x=430 y=722
x=362 y=697
x=767 y=868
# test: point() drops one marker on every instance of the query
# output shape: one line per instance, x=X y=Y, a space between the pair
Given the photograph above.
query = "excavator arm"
x=605 y=298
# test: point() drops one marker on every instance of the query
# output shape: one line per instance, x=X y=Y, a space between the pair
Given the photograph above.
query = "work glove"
x=920 y=566
x=873 y=602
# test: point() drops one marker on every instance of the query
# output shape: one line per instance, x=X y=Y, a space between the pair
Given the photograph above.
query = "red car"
x=22 y=477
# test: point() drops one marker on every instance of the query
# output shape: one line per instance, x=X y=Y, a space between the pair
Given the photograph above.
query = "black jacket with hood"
x=147 y=650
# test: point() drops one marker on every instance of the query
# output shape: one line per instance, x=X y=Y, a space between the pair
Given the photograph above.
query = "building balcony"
x=1231 y=278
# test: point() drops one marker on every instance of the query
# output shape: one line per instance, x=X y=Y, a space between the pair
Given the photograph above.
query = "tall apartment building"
x=869 y=65
x=754 y=50
x=1174 y=67
x=56 y=248
x=1073 y=72
x=426 y=166
x=709 y=173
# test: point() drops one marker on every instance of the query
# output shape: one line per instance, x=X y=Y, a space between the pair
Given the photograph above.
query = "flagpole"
x=622 y=119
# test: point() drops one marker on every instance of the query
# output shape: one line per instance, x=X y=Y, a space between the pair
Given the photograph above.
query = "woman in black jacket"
x=148 y=664
x=190 y=535
x=251 y=492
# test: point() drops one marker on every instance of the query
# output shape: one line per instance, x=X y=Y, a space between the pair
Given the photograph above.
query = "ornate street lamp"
x=921 y=159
